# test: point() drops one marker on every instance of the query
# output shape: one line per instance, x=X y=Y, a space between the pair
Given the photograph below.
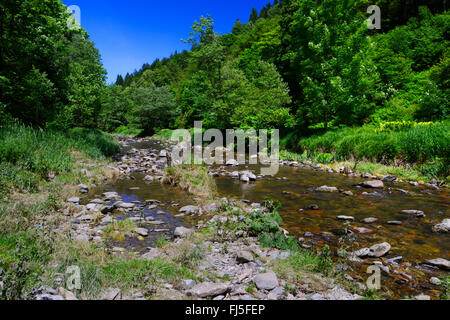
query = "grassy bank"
x=415 y=151
x=39 y=170
x=29 y=156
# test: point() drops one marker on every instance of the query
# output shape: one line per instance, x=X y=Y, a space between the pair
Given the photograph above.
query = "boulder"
x=374 y=184
x=266 y=281
x=244 y=256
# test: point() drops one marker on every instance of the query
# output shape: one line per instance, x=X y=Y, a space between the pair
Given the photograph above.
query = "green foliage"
x=22 y=256
x=153 y=108
x=50 y=74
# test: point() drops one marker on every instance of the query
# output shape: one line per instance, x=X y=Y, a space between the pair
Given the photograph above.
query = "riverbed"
x=312 y=216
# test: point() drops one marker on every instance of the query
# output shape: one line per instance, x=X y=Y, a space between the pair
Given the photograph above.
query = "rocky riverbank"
x=224 y=259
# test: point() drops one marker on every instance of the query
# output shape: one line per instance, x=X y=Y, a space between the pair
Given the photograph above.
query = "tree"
x=326 y=50
x=253 y=16
x=50 y=74
x=119 y=80
x=153 y=108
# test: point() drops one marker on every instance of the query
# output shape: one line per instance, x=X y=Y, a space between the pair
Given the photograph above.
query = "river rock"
x=163 y=154
x=125 y=205
x=148 y=178
x=389 y=178
x=439 y=262
x=435 y=281
x=68 y=295
x=141 y=231
x=182 y=232
x=266 y=281
x=244 y=178
x=110 y=195
x=346 y=218
x=107 y=209
x=208 y=289
x=188 y=284
x=83 y=188
x=232 y=162
x=249 y=174
x=152 y=254
x=362 y=230
x=370 y=220
x=374 y=184
x=417 y=213
x=443 y=227
x=376 y=251
x=395 y=223
x=244 y=256
x=327 y=189
x=111 y=294
x=379 y=250
x=75 y=200
x=189 y=210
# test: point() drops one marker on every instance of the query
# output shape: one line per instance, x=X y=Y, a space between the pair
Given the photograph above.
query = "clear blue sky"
x=131 y=33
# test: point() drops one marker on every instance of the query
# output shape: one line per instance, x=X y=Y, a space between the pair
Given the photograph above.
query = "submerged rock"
x=370 y=220
x=327 y=189
x=417 y=213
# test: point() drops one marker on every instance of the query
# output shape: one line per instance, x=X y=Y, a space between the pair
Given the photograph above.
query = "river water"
x=414 y=239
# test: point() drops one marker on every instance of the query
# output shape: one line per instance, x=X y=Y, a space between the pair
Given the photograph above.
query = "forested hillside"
x=303 y=66
x=299 y=64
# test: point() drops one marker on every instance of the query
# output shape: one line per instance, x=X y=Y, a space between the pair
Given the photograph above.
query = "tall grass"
x=28 y=155
x=426 y=146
